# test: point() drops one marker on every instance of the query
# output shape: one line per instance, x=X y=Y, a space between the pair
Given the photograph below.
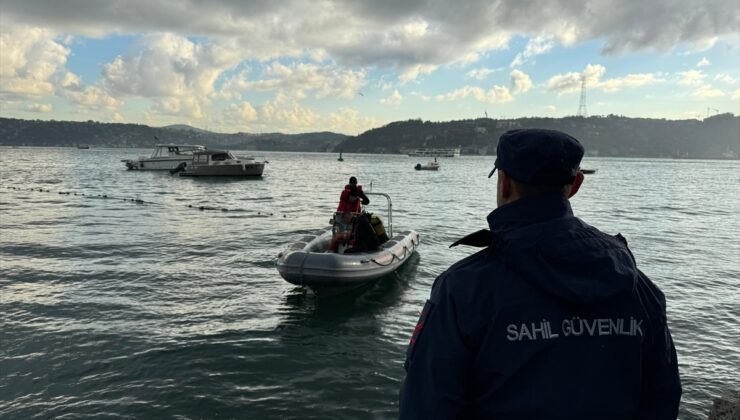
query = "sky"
x=296 y=66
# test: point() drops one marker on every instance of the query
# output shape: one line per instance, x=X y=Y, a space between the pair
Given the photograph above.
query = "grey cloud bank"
x=389 y=33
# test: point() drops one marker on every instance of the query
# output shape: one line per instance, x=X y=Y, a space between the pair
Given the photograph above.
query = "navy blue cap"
x=538 y=157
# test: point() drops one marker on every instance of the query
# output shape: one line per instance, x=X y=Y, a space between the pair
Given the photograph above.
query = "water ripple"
x=112 y=308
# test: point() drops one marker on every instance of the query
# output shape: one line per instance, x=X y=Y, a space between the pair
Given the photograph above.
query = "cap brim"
x=492 y=171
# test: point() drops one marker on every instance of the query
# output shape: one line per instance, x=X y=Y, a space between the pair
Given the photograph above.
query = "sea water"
x=113 y=307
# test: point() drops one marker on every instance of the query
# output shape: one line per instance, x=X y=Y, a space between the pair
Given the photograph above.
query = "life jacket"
x=344 y=201
x=378 y=228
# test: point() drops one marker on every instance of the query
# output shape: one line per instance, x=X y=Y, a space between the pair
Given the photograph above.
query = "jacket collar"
x=527 y=211
x=520 y=213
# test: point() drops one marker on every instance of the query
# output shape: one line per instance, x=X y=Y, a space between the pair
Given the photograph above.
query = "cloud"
x=177 y=73
x=283 y=113
x=70 y=81
x=592 y=74
x=496 y=95
x=188 y=48
x=571 y=82
x=394 y=100
x=347 y=120
x=42 y=108
x=736 y=94
x=91 y=98
x=551 y=108
x=691 y=77
x=241 y=112
x=31 y=59
x=185 y=106
x=520 y=82
x=707 y=91
x=630 y=80
x=703 y=62
x=412 y=72
x=302 y=78
x=238 y=117
x=480 y=73
x=535 y=46
x=169 y=65
x=397 y=34
x=726 y=78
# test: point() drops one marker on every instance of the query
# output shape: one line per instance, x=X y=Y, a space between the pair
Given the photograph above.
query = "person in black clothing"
x=363 y=236
x=552 y=319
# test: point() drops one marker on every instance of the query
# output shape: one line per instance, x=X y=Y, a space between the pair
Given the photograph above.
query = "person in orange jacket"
x=352 y=198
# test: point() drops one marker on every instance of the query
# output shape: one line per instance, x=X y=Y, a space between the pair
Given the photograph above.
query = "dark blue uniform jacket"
x=552 y=320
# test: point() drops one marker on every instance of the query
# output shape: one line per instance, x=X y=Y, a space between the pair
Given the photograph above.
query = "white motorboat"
x=306 y=262
x=431 y=166
x=164 y=157
x=220 y=163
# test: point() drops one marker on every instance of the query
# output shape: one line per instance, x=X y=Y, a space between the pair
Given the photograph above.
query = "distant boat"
x=211 y=162
x=164 y=157
x=82 y=146
x=589 y=171
x=453 y=152
x=340 y=157
x=431 y=166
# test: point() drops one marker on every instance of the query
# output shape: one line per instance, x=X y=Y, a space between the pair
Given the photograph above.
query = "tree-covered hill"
x=714 y=137
x=16 y=132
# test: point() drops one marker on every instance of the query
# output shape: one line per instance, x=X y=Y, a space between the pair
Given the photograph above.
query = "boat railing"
x=390 y=211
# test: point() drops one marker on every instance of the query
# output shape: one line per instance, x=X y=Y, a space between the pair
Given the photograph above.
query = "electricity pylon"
x=582 y=105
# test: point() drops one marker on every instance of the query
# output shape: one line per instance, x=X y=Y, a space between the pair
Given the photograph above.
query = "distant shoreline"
x=713 y=138
x=587 y=157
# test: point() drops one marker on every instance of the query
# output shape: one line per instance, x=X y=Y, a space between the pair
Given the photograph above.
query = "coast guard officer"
x=551 y=320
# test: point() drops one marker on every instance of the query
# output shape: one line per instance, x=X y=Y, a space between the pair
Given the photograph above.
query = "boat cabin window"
x=201 y=159
x=220 y=156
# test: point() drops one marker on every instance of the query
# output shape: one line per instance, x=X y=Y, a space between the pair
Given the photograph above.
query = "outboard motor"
x=179 y=168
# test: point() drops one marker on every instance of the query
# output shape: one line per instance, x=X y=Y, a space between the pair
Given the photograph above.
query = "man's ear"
x=576 y=184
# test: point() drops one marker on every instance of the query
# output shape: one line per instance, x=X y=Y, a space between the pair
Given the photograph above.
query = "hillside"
x=714 y=137
x=16 y=132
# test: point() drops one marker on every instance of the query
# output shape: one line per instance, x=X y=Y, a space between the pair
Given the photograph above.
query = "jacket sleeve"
x=661 y=386
x=436 y=363
x=365 y=200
